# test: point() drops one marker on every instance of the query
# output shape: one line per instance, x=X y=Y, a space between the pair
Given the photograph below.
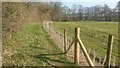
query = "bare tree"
x=56 y=12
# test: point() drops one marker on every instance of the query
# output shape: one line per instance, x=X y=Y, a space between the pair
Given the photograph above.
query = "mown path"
x=32 y=46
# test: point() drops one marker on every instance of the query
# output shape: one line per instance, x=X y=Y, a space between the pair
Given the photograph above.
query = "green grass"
x=93 y=34
x=32 y=46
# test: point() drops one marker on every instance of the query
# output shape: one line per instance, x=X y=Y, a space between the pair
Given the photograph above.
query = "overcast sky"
x=88 y=3
x=69 y=3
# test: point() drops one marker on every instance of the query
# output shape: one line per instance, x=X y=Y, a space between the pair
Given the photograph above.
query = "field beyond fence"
x=94 y=36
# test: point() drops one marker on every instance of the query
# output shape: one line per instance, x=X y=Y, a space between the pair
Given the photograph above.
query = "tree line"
x=55 y=11
x=80 y=13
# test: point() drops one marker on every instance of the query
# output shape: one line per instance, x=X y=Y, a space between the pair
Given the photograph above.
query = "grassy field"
x=32 y=46
x=93 y=34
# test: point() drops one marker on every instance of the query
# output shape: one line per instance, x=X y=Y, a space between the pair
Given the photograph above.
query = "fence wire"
x=93 y=53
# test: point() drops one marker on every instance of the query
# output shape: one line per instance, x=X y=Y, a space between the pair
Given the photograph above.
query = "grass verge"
x=32 y=46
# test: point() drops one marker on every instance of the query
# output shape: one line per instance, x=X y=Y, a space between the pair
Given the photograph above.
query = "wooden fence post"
x=85 y=53
x=109 y=51
x=65 y=41
x=76 y=46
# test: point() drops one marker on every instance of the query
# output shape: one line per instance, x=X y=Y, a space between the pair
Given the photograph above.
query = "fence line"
x=65 y=43
x=57 y=37
x=109 y=51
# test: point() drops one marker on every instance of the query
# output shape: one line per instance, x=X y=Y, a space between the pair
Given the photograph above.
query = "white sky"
x=88 y=3
x=69 y=3
x=88 y=0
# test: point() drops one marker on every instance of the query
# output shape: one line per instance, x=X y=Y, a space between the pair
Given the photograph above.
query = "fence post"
x=77 y=47
x=109 y=51
x=85 y=53
x=65 y=41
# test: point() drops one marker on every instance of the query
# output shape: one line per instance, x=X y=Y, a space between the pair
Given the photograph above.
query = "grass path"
x=32 y=46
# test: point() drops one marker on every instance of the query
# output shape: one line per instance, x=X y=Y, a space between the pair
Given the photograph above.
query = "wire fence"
x=59 y=40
